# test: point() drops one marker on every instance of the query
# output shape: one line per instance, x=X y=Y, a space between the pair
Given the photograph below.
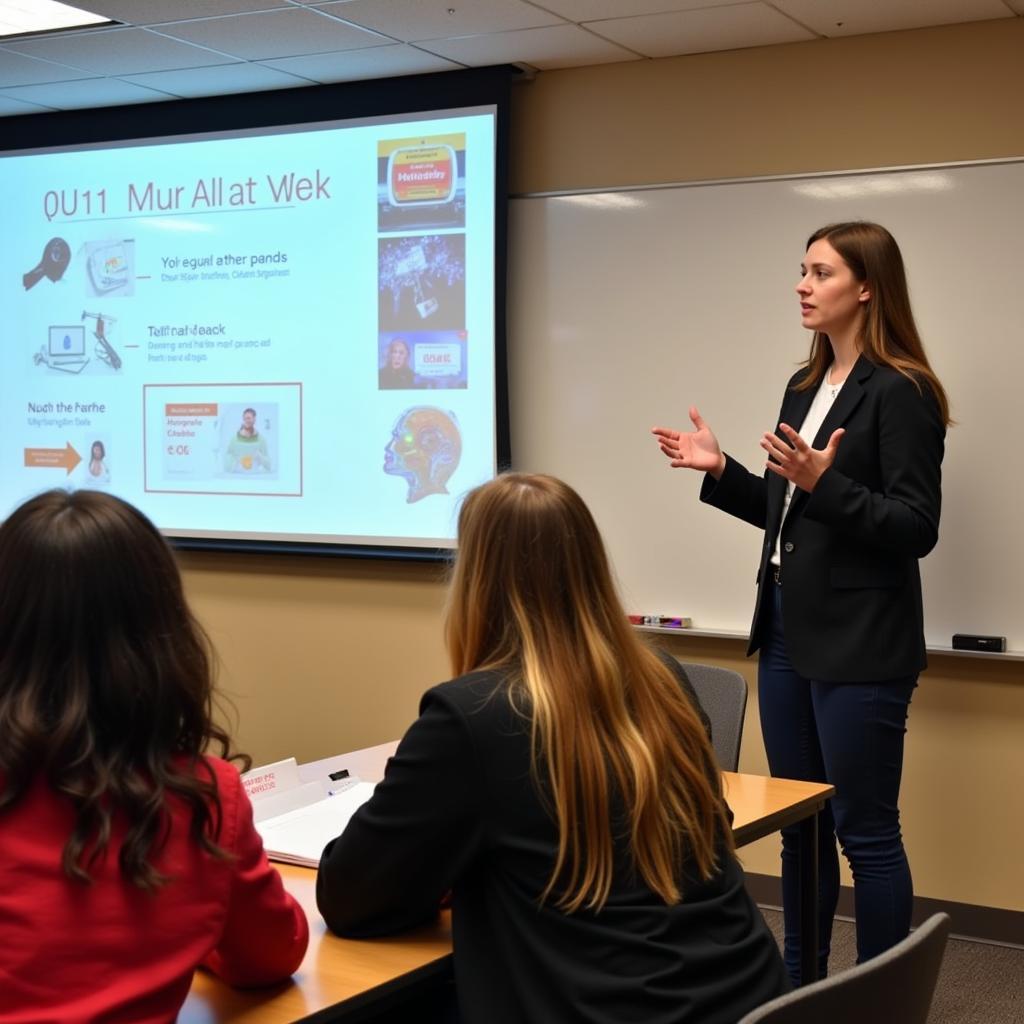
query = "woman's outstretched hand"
x=797 y=461
x=697 y=449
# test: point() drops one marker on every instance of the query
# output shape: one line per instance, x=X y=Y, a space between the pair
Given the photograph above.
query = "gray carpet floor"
x=979 y=983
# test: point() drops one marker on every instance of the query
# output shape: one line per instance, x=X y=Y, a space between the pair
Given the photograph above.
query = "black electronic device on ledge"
x=977 y=642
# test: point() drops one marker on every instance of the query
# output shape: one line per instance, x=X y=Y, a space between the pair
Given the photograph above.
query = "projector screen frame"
x=286 y=109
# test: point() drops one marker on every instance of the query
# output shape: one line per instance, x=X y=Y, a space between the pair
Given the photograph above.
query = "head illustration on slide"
x=425 y=448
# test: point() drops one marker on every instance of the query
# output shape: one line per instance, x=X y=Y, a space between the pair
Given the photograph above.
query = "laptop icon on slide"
x=66 y=349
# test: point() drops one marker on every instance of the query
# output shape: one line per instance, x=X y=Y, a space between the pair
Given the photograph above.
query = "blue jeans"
x=851 y=736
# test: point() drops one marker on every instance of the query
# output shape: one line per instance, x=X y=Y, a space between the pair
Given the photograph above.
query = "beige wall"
x=324 y=655
x=319 y=655
x=926 y=96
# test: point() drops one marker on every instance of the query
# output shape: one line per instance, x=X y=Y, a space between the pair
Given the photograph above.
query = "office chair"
x=896 y=986
x=723 y=696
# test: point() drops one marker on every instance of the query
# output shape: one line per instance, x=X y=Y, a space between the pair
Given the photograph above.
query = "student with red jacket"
x=128 y=855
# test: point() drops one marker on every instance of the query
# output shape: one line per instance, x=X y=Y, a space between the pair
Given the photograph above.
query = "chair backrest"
x=723 y=696
x=896 y=986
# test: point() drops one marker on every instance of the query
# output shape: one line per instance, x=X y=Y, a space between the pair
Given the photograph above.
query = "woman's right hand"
x=697 y=449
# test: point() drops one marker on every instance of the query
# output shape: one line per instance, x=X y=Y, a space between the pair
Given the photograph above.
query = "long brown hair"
x=889 y=336
x=532 y=594
x=106 y=685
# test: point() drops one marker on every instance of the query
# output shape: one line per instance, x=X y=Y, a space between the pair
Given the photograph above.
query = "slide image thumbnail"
x=241 y=439
x=102 y=325
x=70 y=348
x=246 y=446
x=422 y=283
x=64 y=349
x=425 y=449
x=55 y=259
x=421 y=359
x=94 y=471
x=109 y=267
x=421 y=183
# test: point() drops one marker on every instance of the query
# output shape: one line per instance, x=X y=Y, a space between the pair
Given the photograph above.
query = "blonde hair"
x=532 y=595
x=889 y=336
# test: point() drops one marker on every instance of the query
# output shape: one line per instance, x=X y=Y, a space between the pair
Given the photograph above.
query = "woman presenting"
x=849 y=501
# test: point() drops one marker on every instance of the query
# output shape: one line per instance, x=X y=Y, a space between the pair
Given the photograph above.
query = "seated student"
x=127 y=855
x=564 y=789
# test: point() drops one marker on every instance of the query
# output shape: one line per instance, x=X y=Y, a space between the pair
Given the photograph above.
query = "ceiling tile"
x=413 y=20
x=91 y=92
x=288 y=33
x=702 y=31
x=17 y=69
x=12 y=107
x=591 y=10
x=857 y=17
x=218 y=81
x=352 y=65
x=345 y=40
x=561 y=46
x=119 y=51
x=152 y=12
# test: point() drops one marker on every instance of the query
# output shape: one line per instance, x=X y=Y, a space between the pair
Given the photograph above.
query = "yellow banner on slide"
x=456 y=140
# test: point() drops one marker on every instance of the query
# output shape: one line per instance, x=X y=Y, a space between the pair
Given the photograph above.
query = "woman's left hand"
x=801 y=464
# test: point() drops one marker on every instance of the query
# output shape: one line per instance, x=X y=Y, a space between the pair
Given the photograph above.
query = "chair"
x=723 y=696
x=896 y=986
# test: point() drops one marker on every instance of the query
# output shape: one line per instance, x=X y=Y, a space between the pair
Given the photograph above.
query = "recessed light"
x=22 y=17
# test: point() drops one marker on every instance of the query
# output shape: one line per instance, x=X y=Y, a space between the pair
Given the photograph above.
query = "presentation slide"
x=277 y=336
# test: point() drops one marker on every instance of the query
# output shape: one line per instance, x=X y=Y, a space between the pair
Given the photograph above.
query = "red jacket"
x=81 y=954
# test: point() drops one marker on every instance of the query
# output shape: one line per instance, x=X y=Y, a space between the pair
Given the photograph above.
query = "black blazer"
x=851 y=585
x=458 y=809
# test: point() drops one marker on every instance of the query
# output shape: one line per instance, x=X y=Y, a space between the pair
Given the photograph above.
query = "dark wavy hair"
x=106 y=680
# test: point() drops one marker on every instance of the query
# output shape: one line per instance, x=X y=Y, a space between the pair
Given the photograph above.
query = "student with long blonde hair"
x=564 y=788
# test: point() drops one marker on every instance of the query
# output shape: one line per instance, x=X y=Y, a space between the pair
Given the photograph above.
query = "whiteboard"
x=625 y=307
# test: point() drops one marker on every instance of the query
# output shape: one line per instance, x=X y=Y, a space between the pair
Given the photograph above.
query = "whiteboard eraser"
x=976 y=642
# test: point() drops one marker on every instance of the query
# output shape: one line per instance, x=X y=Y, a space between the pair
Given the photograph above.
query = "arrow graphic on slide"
x=50 y=458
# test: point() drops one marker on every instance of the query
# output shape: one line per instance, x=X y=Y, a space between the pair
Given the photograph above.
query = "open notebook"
x=296 y=820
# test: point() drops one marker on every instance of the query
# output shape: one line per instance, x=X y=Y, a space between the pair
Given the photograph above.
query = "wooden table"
x=348 y=977
x=335 y=971
x=763 y=805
